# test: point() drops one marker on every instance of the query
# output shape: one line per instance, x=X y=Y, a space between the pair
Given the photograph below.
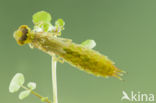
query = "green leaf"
x=32 y=85
x=46 y=26
x=24 y=94
x=16 y=82
x=89 y=44
x=60 y=23
x=41 y=16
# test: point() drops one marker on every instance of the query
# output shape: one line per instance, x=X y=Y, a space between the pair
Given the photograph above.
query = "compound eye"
x=22 y=35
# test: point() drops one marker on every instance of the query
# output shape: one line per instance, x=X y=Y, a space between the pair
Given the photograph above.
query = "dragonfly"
x=85 y=59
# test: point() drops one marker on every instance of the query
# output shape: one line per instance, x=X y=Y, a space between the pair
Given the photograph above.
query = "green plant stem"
x=36 y=94
x=54 y=80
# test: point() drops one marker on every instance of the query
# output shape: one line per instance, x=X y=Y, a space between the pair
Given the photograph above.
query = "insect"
x=77 y=55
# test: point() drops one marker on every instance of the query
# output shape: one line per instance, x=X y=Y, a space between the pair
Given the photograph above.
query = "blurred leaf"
x=41 y=16
x=16 y=82
x=24 y=94
x=46 y=26
x=32 y=85
x=89 y=44
x=60 y=22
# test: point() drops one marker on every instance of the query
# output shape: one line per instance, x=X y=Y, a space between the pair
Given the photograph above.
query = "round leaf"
x=89 y=44
x=24 y=94
x=60 y=22
x=41 y=16
x=32 y=85
x=16 y=82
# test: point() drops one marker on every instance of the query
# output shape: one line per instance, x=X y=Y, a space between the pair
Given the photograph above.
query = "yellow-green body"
x=83 y=58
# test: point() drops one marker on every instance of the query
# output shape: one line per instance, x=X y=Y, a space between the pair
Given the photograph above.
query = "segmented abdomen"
x=89 y=60
x=77 y=55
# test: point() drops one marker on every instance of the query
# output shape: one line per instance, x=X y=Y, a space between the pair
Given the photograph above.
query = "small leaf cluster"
x=42 y=23
x=17 y=82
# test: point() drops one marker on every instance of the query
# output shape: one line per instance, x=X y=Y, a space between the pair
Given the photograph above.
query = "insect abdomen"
x=77 y=55
x=89 y=61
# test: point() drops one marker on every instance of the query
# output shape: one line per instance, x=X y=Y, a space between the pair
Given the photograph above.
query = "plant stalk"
x=36 y=94
x=54 y=80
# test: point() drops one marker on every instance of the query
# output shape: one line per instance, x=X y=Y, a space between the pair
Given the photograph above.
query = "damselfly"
x=77 y=55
